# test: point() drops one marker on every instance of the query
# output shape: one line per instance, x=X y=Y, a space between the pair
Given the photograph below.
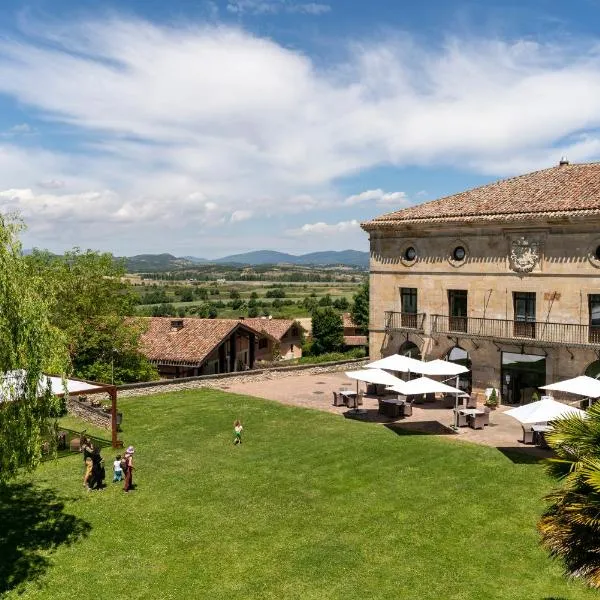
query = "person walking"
x=237 y=430
x=128 y=485
x=117 y=469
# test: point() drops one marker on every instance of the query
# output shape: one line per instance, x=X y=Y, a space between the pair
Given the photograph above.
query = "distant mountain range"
x=158 y=262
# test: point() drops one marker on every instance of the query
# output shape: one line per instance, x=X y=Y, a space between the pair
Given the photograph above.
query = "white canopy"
x=374 y=376
x=397 y=362
x=425 y=385
x=544 y=411
x=582 y=386
x=443 y=367
x=11 y=384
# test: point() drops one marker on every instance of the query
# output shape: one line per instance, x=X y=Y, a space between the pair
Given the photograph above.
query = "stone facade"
x=555 y=259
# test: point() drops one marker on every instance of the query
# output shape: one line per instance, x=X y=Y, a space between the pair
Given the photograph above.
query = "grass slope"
x=311 y=506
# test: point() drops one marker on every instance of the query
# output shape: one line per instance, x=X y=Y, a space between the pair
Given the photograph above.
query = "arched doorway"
x=410 y=349
x=593 y=370
x=461 y=357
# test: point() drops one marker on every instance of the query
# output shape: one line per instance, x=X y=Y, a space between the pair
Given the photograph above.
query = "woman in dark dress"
x=128 y=485
x=98 y=472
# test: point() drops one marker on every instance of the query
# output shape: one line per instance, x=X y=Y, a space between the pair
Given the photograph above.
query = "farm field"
x=310 y=506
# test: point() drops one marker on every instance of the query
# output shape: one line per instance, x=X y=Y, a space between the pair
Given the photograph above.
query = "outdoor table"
x=468 y=412
x=538 y=434
x=390 y=407
x=346 y=395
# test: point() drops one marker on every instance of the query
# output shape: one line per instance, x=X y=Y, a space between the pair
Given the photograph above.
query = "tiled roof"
x=562 y=191
x=355 y=340
x=189 y=345
x=347 y=321
x=276 y=328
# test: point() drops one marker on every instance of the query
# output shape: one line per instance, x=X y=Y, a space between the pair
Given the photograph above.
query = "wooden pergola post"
x=112 y=392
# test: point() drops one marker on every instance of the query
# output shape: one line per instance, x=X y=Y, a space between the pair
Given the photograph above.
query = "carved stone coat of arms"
x=524 y=254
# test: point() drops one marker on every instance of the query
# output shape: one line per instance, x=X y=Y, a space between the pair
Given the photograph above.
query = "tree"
x=31 y=346
x=570 y=526
x=186 y=295
x=325 y=300
x=327 y=331
x=341 y=303
x=234 y=295
x=360 y=308
x=91 y=303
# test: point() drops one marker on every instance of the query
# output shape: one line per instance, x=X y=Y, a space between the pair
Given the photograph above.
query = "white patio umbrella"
x=543 y=411
x=425 y=385
x=398 y=362
x=443 y=367
x=581 y=386
x=374 y=376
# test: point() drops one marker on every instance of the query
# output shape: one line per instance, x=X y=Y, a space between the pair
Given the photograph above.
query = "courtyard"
x=310 y=506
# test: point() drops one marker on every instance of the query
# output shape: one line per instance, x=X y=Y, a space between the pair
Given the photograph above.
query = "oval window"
x=459 y=253
x=410 y=253
x=597 y=253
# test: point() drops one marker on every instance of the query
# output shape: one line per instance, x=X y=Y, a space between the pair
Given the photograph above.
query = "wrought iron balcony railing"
x=398 y=321
x=568 y=334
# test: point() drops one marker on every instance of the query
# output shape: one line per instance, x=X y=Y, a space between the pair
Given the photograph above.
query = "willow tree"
x=29 y=346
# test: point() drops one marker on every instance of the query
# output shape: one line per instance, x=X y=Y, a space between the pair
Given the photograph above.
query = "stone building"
x=504 y=278
x=282 y=338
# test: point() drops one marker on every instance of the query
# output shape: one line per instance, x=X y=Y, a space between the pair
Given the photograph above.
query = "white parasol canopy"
x=374 y=376
x=425 y=385
x=398 y=362
x=443 y=367
x=582 y=386
x=544 y=411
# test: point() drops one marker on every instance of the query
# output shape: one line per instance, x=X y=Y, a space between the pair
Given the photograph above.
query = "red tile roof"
x=347 y=321
x=355 y=340
x=191 y=344
x=276 y=328
x=562 y=191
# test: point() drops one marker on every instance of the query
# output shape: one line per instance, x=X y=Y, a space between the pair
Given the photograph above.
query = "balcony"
x=539 y=333
x=396 y=321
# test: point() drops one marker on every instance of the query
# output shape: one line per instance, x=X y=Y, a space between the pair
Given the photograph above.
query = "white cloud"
x=378 y=196
x=262 y=7
x=189 y=126
x=325 y=229
x=241 y=215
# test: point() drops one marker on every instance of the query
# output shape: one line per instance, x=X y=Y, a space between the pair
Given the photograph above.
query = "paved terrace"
x=316 y=391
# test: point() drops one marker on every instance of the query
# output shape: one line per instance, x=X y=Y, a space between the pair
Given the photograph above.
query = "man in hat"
x=128 y=485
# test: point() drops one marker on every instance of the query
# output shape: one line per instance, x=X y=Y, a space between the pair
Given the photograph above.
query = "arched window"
x=593 y=370
x=461 y=357
x=410 y=349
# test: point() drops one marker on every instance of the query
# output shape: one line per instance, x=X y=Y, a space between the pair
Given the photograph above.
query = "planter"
x=82 y=398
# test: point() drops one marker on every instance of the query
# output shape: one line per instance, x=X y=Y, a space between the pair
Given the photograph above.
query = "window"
x=408 y=307
x=594 y=307
x=263 y=343
x=597 y=253
x=457 y=307
x=524 y=310
x=410 y=254
x=459 y=253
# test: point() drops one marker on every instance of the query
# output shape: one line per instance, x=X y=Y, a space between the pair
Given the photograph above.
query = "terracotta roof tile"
x=347 y=321
x=562 y=191
x=355 y=340
x=191 y=344
x=276 y=328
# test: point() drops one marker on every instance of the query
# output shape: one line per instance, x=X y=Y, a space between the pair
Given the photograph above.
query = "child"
x=118 y=469
x=237 y=428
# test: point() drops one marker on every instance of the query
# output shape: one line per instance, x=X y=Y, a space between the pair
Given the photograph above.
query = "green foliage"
x=341 y=303
x=325 y=300
x=252 y=311
x=327 y=331
x=91 y=303
x=330 y=356
x=187 y=295
x=234 y=295
x=535 y=397
x=360 y=308
x=31 y=345
x=275 y=293
x=570 y=526
x=157 y=296
x=492 y=401
x=163 y=310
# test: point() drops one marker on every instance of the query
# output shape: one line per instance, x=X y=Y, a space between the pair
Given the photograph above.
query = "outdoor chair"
x=486 y=415
x=359 y=399
x=352 y=402
x=338 y=399
x=472 y=401
x=406 y=409
x=448 y=401
x=430 y=397
x=371 y=389
x=460 y=419
x=477 y=421
x=527 y=434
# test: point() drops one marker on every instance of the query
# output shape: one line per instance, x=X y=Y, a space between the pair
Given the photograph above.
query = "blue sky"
x=209 y=128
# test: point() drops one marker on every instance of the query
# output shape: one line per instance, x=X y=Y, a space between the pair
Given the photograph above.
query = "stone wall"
x=217 y=381
x=90 y=414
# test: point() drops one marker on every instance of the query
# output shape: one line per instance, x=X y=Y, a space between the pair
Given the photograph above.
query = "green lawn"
x=311 y=506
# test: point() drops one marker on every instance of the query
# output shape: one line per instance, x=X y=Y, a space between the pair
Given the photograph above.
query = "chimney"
x=563 y=161
x=177 y=325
